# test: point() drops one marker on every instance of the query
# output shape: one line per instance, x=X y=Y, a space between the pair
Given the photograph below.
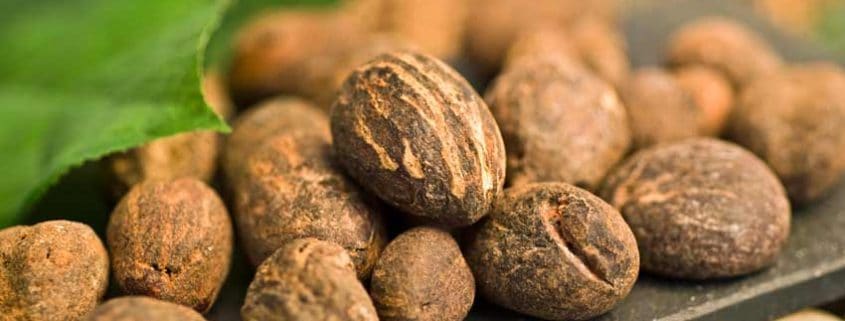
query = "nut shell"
x=56 y=270
x=411 y=130
x=555 y=252
x=659 y=109
x=139 y=308
x=701 y=209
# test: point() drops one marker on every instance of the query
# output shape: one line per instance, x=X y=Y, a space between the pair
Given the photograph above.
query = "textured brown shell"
x=795 y=121
x=712 y=94
x=554 y=251
x=701 y=209
x=291 y=188
x=411 y=130
x=307 y=280
x=659 y=109
x=56 y=270
x=559 y=122
x=725 y=45
x=139 y=308
x=422 y=276
x=171 y=240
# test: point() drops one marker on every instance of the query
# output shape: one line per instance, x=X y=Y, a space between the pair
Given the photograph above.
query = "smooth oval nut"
x=140 y=308
x=411 y=130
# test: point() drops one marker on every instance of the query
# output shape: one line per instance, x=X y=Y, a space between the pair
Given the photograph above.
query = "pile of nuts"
x=366 y=179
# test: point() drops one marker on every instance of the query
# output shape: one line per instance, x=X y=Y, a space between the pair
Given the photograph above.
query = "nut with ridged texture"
x=55 y=270
x=701 y=209
x=659 y=109
x=554 y=251
x=140 y=308
x=795 y=121
x=307 y=280
x=171 y=240
x=422 y=276
x=559 y=122
x=409 y=129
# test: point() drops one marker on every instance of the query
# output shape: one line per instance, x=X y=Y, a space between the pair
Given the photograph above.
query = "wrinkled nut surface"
x=559 y=123
x=659 y=109
x=411 y=130
x=171 y=240
x=794 y=120
x=284 y=114
x=712 y=94
x=56 y=270
x=725 y=45
x=602 y=49
x=307 y=280
x=701 y=209
x=554 y=251
x=139 y=308
x=291 y=188
x=422 y=276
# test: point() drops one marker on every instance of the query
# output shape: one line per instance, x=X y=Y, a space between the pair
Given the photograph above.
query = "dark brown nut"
x=422 y=276
x=411 y=130
x=712 y=94
x=290 y=188
x=725 y=45
x=270 y=50
x=56 y=270
x=139 y=308
x=602 y=49
x=540 y=43
x=794 y=121
x=554 y=251
x=307 y=280
x=171 y=240
x=659 y=109
x=559 y=122
x=701 y=209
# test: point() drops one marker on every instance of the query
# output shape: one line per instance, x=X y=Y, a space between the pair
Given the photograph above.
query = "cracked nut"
x=554 y=251
x=140 y=308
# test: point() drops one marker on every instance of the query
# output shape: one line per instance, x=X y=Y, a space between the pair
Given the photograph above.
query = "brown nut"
x=540 y=43
x=307 y=280
x=411 y=130
x=712 y=94
x=554 y=251
x=290 y=188
x=255 y=126
x=171 y=240
x=422 y=276
x=559 y=122
x=794 y=120
x=725 y=45
x=659 y=109
x=56 y=270
x=602 y=49
x=139 y=308
x=701 y=209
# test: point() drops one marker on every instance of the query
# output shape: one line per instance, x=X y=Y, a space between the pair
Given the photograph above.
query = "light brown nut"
x=307 y=280
x=712 y=93
x=542 y=42
x=422 y=276
x=659 y=109
x=725 y=45
x=139 y=308
x=554 y=251
x=171 y=240
x=701 y=209
x=56 y=270
x=411 y=130
x=602 y=49
x=559 y=123
x=794 y=121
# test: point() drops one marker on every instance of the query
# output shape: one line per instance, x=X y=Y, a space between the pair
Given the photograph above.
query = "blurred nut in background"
x=659 y=109
x=140 y=308
x=540 y=43
x=56 y=270
x=712 y=94
x=602 y=49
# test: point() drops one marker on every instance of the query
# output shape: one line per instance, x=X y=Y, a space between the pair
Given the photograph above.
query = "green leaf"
x=80 y=79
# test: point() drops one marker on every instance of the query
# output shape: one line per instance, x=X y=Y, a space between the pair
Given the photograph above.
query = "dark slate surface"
x=811 y=271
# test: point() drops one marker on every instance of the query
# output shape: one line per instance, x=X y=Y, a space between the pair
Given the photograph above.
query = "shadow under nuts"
x=554 y=251
x=701 y=209
x=559 y=123
x=140 y=308
x=422 y=276
x=411 y=130
x=307 y=280
x=56 y=270
x=171 y=240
